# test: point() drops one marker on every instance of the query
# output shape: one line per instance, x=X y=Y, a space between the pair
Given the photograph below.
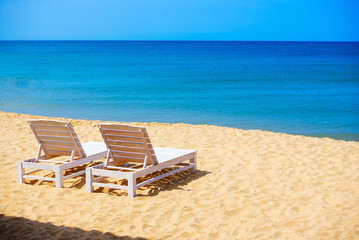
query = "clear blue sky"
x=273 y=20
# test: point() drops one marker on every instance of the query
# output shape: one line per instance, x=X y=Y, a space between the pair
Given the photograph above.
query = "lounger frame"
x=43 y=162
x=99 y=170
x=103 y=171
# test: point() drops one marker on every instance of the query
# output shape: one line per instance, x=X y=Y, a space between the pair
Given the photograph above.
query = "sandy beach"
x=249 y=185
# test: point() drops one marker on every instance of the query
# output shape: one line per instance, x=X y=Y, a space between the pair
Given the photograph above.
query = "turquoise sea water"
x=304 y=88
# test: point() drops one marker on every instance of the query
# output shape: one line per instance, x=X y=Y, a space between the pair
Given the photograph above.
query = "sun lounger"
x=132 y=156
x=57 y=138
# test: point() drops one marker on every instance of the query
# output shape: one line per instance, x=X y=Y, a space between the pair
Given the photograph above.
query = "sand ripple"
x=249 y=185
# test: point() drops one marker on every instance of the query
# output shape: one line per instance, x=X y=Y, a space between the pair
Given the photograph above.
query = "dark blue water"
x=294 y=87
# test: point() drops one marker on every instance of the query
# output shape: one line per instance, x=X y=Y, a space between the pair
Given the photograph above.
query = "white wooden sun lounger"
x=58 y=138
x=133 y=156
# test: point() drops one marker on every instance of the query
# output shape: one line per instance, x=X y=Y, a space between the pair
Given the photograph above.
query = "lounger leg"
x=194 y=162
x=59 y=175
x=89 y=180
x=131 y=186
x=20 y=173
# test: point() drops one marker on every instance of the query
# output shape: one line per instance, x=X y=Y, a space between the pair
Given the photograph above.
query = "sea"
x=306 y=88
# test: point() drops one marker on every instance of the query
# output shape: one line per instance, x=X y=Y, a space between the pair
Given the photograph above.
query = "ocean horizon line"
x=246 y=41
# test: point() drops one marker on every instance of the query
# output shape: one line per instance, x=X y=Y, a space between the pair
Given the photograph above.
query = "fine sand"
x=249 y=185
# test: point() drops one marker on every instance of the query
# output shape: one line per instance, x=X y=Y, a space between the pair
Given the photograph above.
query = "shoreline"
x=250 y=184
x=179 y=123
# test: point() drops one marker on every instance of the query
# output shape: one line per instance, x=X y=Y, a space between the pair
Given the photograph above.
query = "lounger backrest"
x=128 y=143
x=57 y=138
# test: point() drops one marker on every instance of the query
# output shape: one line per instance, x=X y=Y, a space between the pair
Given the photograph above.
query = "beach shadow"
x=172 y=182
x=77 y=182
x=22 y=228
x=165 y=184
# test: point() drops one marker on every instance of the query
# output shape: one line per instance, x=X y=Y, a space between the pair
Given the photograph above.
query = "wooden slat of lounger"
x=57 y=132
x=57 y=143
x=131 y=150
x=124 y=138
x=135 y=141
x=67 y=134
x=55 y=138
x=121 y=133
x=54 y=133
x=126 y=144
x=128 y=140
x=128 y=154
x=40 y=124
x=48 y=122
x=120 y=127
x=49 y=128
x=128 y=149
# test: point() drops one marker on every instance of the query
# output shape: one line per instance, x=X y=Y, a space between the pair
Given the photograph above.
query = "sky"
x=235 y=20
